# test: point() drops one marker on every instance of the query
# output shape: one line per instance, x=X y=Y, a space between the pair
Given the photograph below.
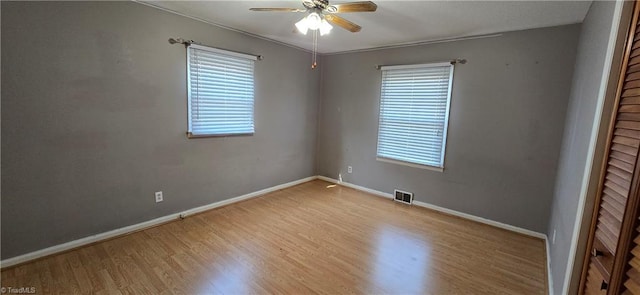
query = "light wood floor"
x=301 y=240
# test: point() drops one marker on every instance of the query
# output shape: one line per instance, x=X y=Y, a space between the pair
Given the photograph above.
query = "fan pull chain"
x=314 y=54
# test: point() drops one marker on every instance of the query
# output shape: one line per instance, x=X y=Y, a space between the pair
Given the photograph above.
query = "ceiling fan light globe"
x=302 y=26
x=325 y=27
x=313 y=21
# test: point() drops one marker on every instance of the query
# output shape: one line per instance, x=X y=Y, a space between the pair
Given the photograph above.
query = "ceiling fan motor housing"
x=321 y=9
x=321 y=4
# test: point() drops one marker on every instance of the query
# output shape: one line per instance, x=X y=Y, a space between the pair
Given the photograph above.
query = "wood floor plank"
x=308 y=239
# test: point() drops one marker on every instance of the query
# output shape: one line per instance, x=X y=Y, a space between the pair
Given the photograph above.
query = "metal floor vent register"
x=402 y=196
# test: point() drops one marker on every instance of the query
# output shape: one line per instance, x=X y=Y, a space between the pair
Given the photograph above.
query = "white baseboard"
x=247 y=196
x=442 y=209
x=147 y=224
x=482 y=220
x=549 y=277
x=354 y=186
x=140 y=226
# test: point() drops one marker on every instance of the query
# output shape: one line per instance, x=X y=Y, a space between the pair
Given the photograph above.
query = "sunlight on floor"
x=399 y=249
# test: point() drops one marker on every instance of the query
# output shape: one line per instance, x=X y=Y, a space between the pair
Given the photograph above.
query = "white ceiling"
x=394 y=23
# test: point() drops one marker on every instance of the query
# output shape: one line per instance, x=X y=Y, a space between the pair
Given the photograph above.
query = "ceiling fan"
x=321 y=13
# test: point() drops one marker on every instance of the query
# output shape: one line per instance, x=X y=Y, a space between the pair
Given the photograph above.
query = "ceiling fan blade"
x=278 y=9
x=364 y=6
x=336 y=20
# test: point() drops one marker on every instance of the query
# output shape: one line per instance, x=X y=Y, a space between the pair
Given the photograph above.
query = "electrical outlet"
x=553 y=238
x=159 y=197
x=349 y=169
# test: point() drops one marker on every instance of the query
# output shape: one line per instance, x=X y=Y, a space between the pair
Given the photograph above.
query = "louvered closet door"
x=631 y=103
x=595 y=281
x=616 y=183
x=620 y=168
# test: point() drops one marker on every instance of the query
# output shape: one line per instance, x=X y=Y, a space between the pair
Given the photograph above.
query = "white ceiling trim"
x=399 y=45
x=220 y=25
x=426 y=42
x=488 y=20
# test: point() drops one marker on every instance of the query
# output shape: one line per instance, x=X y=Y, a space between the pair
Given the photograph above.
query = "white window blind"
x=414 y=111
x=220 y=92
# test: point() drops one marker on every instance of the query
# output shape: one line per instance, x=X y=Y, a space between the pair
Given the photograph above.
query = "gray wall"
x=507 y=116
x=581 y=114
x=94 y=119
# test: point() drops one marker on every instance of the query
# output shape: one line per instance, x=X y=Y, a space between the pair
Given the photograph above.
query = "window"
x=220 y=92
x=414 y=113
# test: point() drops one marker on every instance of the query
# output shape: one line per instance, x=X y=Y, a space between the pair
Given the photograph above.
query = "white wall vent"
x=402 y=196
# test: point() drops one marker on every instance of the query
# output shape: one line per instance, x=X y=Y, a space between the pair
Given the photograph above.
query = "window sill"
x=432 y=168
x=192 y=136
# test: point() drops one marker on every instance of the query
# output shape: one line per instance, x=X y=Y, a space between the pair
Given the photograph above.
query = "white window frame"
x=440 y=167
x=190 y=133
